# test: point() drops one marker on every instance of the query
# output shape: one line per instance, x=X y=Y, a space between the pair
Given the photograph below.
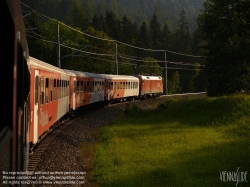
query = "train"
x=56 y=93
x=39 y=96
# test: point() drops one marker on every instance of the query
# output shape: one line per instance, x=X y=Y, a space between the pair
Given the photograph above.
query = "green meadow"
x=181 y=142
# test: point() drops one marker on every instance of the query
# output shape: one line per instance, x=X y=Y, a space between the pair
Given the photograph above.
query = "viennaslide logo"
x=234 y=176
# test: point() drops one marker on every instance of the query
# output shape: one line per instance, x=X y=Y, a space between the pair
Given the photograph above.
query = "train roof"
x=82 y=74
x=118 y=77
x=38 y=63
x=150 y=77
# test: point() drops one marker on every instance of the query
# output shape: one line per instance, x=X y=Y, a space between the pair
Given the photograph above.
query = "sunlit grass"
x=179 y=143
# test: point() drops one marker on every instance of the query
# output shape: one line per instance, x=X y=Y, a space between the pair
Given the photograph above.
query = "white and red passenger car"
x=49 y=97
x=85 y=89
x=120 y=88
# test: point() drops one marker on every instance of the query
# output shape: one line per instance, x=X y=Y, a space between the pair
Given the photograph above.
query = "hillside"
x=136 y=10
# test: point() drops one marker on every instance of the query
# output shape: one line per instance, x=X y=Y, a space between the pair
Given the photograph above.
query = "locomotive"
x=41 y=95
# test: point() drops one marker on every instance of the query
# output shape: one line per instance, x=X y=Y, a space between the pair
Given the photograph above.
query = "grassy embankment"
x=182 y=143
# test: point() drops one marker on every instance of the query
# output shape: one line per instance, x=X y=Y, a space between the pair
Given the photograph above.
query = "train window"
x=46 y=90
x=111 y=86
x=128 y=85
x=58 y=89
x=81 y=86
x=77 y=84
x=61 y=88
x=89 y=87
x=124 y=86
x=85 y=86
x=64 y=88
x=42 y=90
x=93 y=86
x=54 y=89
x=67 y=87
x=36 y=90
x=75 y=87
x=51 y=89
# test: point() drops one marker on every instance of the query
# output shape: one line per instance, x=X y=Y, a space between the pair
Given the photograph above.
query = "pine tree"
x=225 y=30
x=76 y=15
x=155 y=32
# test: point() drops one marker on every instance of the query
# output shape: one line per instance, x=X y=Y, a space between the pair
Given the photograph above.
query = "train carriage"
x=86 y=88
x=150 y=86
x=120 y=88
x=15 y=76
x=49 y=97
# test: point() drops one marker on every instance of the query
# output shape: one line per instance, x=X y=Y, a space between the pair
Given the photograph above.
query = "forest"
x=107 y=42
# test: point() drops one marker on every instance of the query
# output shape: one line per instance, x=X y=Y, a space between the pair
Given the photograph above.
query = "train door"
x=36 y=106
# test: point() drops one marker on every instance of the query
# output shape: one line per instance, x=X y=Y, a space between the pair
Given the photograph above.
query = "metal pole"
x=58 y=47
x=166 y=73
x=116 y=61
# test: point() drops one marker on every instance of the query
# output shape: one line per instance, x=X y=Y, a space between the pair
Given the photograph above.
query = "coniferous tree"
x=155 y=32
x=225 y=30
x=76 y=15
x=112 y=23
x=143 y=39
x=182 y=37
x=166 y=37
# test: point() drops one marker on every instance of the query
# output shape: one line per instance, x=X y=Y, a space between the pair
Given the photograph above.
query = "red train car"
x=49 y=97
x=85 y=89
x=120 y=88
x=150 y=86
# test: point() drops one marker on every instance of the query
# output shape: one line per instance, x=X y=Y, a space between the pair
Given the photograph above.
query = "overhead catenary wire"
x=111 y=40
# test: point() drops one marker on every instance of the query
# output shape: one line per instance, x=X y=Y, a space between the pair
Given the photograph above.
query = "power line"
x=110 y=40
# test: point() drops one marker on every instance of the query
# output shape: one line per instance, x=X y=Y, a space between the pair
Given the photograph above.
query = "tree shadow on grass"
x=192 y=168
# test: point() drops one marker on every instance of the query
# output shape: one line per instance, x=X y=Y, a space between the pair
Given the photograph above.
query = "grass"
x=182 y=142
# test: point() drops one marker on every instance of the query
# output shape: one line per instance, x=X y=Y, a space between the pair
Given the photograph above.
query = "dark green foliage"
x=225 y=29
x=98 y=56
